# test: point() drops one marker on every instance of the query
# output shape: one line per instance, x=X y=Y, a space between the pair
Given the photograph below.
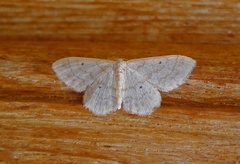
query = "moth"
x=133 y=85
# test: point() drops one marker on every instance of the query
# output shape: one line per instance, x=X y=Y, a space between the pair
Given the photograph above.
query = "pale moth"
x=133 y=85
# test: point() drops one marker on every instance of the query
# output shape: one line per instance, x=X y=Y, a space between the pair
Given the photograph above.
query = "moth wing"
x=100 y=97
x=165 y=72
x=78 y=73
x=140 y=97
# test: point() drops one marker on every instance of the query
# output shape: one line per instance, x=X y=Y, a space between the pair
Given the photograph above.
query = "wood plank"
x=42 y=121
x=182 y=21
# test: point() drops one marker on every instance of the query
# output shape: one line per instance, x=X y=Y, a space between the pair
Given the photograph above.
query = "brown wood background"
x=42 y=121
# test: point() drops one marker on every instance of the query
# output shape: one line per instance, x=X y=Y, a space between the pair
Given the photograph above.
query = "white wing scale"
x=166 y=72
x=78 y=73
x=100 y=96
x=96 y=76
x=140 y=97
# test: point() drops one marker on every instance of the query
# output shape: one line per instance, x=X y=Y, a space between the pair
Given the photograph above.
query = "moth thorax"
x=120 y=80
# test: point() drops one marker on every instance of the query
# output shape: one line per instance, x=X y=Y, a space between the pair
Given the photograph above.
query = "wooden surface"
x=42 y=121
x=181 y=21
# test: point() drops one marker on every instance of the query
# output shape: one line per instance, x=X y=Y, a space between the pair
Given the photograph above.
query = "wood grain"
x=42 y=121
x=182 y=21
